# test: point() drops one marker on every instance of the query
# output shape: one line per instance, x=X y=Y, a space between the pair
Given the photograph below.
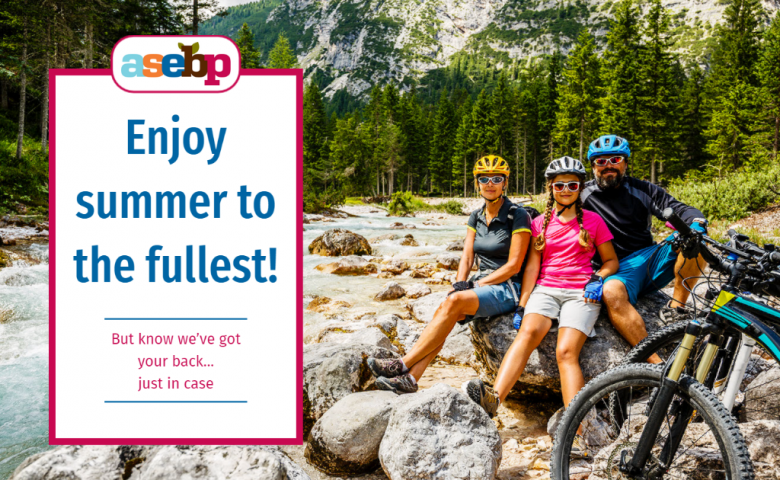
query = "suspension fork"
x=738 y=371
x=683 y=412
x=662 y=401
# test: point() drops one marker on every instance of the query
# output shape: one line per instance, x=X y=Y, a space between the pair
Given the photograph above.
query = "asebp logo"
x=175 y=64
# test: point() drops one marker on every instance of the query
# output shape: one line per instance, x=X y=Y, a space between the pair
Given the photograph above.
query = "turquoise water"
x=24 y=359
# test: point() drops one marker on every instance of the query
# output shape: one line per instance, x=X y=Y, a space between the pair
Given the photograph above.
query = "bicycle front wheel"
x=711 y=446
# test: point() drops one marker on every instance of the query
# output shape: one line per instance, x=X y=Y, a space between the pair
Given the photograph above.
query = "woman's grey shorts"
x=496 y=299
x=565 y=304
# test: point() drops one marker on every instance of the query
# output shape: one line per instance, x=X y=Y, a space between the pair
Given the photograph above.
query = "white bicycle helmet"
x=563 y=165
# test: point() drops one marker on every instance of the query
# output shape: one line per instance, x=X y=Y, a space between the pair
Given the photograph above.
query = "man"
x=626 y=204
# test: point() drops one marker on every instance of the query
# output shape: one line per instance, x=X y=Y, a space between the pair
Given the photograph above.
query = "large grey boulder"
x=423 y=308
x=390 y=291
x=352 y=265
x=396 y=266
x=74 y=461
x=397 y=330
x=440 y=433
x=450 y=261
x=456 y=246
x=331 y=372
x=338 y=243
x=417 y=290
x=345 y=441
x=160 y=463
x=366 y=335
x=762 y=396
x=492 y=338
x=219 y=461
x=763 y=440
x=458 y=348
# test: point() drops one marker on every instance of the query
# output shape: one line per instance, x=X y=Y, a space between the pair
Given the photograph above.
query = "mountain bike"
x=654 y=421
x=757 y=280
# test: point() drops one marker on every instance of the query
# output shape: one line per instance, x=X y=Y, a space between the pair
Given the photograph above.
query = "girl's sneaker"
x=400 y=384
x=483 y=395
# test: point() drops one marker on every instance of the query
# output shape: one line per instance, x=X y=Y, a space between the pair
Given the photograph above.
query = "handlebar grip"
x=732 y=233
x=774 y=257
x=676 y=222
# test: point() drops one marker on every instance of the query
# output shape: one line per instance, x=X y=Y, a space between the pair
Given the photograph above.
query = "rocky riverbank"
x=372 y=283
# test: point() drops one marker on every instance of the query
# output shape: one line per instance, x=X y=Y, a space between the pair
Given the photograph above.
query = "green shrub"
x=24 y=181
x=453 y=207
x=315 y=202
x=732 y=197
x=401 y=203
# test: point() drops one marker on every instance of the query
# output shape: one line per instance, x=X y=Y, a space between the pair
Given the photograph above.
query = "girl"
x=499 y=234
x=559 y=283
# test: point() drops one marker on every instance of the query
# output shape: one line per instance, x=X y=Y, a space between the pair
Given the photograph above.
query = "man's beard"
x=612 y=182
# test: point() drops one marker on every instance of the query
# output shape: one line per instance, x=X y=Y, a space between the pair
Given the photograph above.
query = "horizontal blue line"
x=161 y=318
x=175 y=401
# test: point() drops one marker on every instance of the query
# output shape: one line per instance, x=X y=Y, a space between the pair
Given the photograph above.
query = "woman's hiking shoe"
x=400 y=384
x=483 y=395
x=386 y=367
x=579 y=449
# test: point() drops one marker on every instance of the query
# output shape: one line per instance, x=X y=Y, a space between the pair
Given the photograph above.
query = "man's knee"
x=614 y=292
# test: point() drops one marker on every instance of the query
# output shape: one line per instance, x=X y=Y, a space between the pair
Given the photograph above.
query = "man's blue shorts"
x=496 y=299
x=647 y=270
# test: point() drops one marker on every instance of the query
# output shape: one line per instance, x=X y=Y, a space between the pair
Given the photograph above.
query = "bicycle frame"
x=730 y=310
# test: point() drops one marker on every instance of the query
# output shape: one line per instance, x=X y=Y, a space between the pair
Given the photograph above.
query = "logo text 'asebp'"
x=175 y=64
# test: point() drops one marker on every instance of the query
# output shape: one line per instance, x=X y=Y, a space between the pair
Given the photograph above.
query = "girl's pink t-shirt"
x=565 y=264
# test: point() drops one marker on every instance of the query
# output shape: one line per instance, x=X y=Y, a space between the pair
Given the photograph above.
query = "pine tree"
x=619 y=72
x=737 y=49
x=657 y=105
x=692 y=141
x=481 y=132
x=314 y=125
x=282 y=56
x=547 y=112
x=444 y=131
x=526 y=114
x=462 y=153
x=501 y=121
x=731 y=128
x=768 y=70
x=577 y=121
x=250 y=56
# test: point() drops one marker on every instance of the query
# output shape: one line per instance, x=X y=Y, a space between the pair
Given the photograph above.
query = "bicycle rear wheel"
x=712 y=447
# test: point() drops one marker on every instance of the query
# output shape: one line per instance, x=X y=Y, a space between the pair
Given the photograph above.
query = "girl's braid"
x=584 y=235
x=548 y=211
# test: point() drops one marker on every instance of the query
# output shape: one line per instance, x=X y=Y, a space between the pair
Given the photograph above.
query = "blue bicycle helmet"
x=609 y=145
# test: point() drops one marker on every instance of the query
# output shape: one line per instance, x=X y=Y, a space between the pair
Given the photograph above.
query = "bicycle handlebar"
x=676 y=222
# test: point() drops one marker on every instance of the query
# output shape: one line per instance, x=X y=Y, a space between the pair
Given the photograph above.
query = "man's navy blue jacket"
x=627 y=210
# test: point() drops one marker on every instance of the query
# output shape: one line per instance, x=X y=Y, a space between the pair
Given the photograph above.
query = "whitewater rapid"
x=24 y=357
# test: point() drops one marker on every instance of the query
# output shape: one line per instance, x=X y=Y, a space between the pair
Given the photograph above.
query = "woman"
x=498 y=234
x=559 y=283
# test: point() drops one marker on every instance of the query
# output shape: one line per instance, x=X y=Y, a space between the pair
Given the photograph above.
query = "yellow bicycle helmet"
x=491 y=165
